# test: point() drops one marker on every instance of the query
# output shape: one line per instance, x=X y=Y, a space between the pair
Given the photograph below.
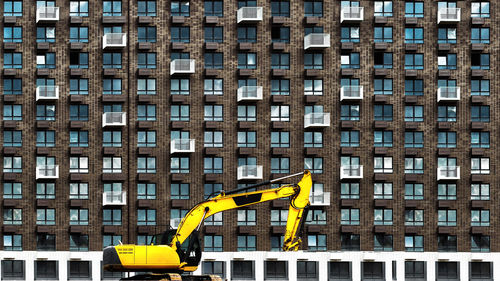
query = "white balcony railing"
x=448 y=15
x=317 y=40
x=47 y=92
x=249 y=93
x=319 y=198
x=448 y=93
x=114 y=119
x=47 y=172
x=114 y=40
x=351 y=14
x=351 y=92
x=318 y=119
x=448 y=173
x=182 y=66
x=47 y=14
x=174 y=223
x=351 y=172
x=110 y=198
x=182 y=145
x=250 y=172
x=249 y=14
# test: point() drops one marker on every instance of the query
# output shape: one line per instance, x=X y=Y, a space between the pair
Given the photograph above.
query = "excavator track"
x=173 y=277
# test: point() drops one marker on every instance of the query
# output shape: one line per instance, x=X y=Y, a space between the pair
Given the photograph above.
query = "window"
x=213 y=87
x=480 y=87
x=414 y=165
x=13 y=60
x=280 y=165
x=349 y=190
x=78 y=60
x=112 y=86
x=144 y=138
x=79 y=34
x=78 y=190
x=12 y=86
x=280 y=113
x=280 y=8
x=148 y=191
x=180 y=34
x=111 y=60
x=247 y=34
x=480 y=139
x=12 y=164
x=382 y=190
x=307 y=270
x=179 y=165
x=214 y=113
x=447 y=114
x=111 y=164
x=480 y=165
x=112 y=217
x=313 y=139
x=414 y=139
x=13 y=269
x=414 y=9
x=242 y=270
x=78 y=138
x=246 y=243
x=247 y=61
x=146 y=217
x=275 y=270
x=214 y=9
x=382 y=216
x=247 y=217
x=313 y=87
x=313 y=60
x=373 y=271
x=382 y=87
x=46 y=270
x=247 y=139
x=214 y=34
x=45 y=242
x=480 y=113
x=415 y=270
x=45 y=190
x=480 y=191
x=280 y=61
x=213 y=165
x=45 y=216
x=113 y=138
x=179 y=8
x=13 y=34
x=146 y=112
x=146 y=165
x=279 y=139
x=79 y=86
x=414 y=113
x=314 y=164
x=279 y=217
x=79 y=269
x=12 y=190
x=79 y=112
x=447 y=217
x=211 y=189
x=12 y=216
x=179 y=86
x=146 y=86
x=480 y=35
x=480 y=61
x=383 y=34
x=146 y=60
x=316 y=242
x=349 y=216
x=349 y=34
x=78 y=8
x=382 y=242
x=349 y=112
x=144 y=239
x=414 y=61
x=314 y=217
x=414 y=35
x=480 y=243
x=78 y=216
x=313 y=8
x=215 y=139
x=448 y=61
x=280 y=35
x=111 y=240
x=146 y=8
x=414 y=217
x=112 y=8
x=349 y=138
x=12 y=138
x=349 y=61
x=383 y=9
x=480 y=9
x=349 y=242
x=339 y=271
x=414 y=87
x=212 y=243
x=382 y=112
x=382 y=139
x=480 y=217
x=414 y=243
x=447 y=139
x=79 y=164
x=447 y=191
x=13 y=9
x=447 y=271
x=382 y=60
x=214 y=61
x=78 y=242
x=447 y=35
x=45 y=34
x=47 y=60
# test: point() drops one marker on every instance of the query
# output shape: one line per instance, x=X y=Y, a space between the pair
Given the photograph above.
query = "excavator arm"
x=228 y=201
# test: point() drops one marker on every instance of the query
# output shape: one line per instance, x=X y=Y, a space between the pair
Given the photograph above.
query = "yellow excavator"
x=177 y=251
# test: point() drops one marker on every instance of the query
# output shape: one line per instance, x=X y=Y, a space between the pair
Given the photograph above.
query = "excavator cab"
x=189 y=251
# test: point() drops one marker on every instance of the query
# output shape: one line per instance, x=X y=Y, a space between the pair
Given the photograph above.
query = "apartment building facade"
x=119 y=116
